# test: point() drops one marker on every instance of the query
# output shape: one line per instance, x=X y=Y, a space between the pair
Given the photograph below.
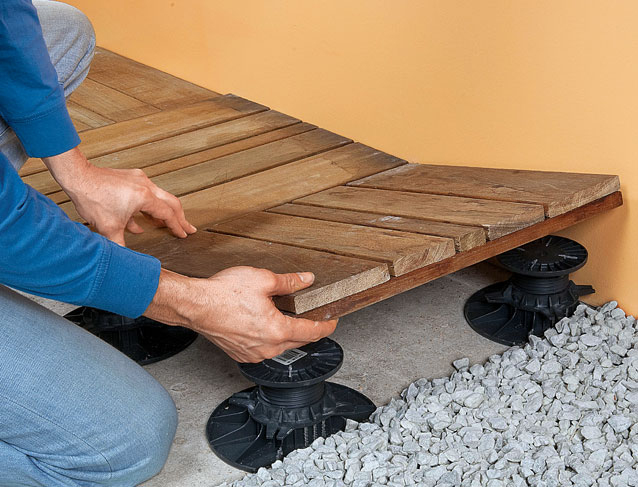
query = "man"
x=74 y=411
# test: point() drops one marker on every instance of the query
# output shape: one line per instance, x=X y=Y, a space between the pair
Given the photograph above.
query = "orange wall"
x=549 y=84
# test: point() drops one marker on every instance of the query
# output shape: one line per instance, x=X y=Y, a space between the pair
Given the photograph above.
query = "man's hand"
x=234 y=310
x=109 y=198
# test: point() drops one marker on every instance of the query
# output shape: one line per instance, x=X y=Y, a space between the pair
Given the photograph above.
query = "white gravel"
x=560 y=411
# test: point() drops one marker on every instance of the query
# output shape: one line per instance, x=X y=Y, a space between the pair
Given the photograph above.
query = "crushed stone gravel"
x=560 y=411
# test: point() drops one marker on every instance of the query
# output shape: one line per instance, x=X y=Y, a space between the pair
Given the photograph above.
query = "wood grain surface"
x=177 y=146
x=282 y=184
x=147 y=84
x=465 y=237
x=496 y=217
x=272 y=187
x=402 y=251
x=204 y=254
x=461 y=260
x=84 y=118
x=558 y=192
x=130 y=133
x=109 y=103
x=233 y=166
x=212 y=154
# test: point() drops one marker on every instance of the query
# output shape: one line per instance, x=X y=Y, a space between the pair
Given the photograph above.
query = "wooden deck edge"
x=461 y=260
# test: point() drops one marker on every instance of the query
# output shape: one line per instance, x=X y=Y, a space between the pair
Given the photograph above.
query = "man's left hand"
x=108 y=199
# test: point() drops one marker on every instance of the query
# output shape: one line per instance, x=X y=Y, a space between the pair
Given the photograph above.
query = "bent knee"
x=148 y=440
x=69 y=36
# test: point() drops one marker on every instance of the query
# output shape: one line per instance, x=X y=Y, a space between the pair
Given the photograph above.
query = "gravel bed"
x=559 y=411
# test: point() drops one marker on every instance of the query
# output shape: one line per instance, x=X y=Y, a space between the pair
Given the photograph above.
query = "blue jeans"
x=73 y=410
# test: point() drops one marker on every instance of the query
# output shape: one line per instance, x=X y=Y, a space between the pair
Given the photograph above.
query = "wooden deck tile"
x=402 y=251
x=465 y=237
x=558 y=192
x=204 y=254
x=498 y=218
x=147 y=84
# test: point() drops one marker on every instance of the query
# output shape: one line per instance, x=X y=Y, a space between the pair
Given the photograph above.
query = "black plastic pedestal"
x=535 y=298
x=290 y=407
x=144 y=340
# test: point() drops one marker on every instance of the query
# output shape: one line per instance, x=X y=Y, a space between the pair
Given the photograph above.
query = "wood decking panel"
x=204 y=254
x=465 y=237
x=147 y=84
x=498 y=218
x=402 y=251
x=558 y=192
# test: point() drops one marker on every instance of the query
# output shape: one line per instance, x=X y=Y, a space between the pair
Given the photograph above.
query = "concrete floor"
x=387 y=346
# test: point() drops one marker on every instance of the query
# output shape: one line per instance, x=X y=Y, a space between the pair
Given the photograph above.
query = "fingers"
x=301 y=330
x=133 y=227
x=176 y=220
x=289 y=283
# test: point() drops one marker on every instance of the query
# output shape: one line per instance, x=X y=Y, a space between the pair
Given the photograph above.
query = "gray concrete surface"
x=387 y=346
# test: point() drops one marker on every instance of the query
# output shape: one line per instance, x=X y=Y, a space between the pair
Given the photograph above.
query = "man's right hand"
x=234 y=310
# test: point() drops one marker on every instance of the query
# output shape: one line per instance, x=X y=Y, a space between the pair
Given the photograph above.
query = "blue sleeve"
x=45 y=253
x=31 y=97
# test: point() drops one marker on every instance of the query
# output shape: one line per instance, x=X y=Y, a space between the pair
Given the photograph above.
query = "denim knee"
x=70 y=40
x=147 y=440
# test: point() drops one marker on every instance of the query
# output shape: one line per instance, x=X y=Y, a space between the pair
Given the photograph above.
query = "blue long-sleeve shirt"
x=41 y=251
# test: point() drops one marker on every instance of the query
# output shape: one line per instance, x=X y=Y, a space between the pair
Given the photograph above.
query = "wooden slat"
x=248 y=162
x=402 y=251
x=461 y=260
x=32 y=166
x=204 y=254
x=147 y=84
x=59 y=197
x=157 y=126
x=498 y=218
x=178 y=145
x=227 y=149
x=465 y=237
x=109 y=103
x=79 y=126
x=85 y=119
x=196 y=141
x=558 y=192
